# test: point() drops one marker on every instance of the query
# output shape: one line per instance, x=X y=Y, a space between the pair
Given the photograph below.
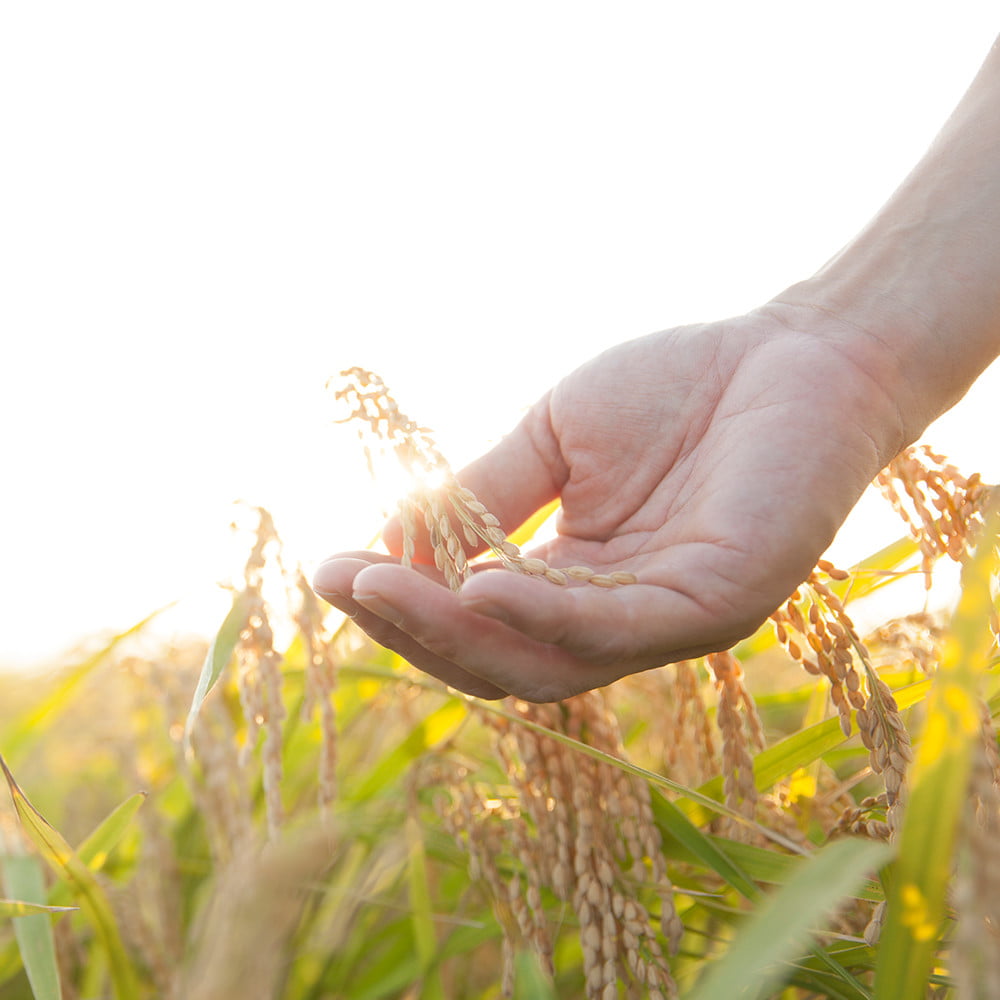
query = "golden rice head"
x=380 y=422
x=817 y=632
x=489 y=826
x=259 y=681
x=915 y=641
x=884 y=734
x=258 y=668
x=457 y=523
x=942 y=508
x=887 y=740
x=691 y=756
x=863 y=819
x=580 y=829
x=684 y=738
x=740 y=727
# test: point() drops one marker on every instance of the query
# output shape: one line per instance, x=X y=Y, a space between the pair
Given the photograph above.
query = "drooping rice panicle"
x=942 y=508
x=740 y=727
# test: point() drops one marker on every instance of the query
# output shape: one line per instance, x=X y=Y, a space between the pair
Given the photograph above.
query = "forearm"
x=922 y=280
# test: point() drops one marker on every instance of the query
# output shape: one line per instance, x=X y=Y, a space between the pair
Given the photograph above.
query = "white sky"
x=206 y=209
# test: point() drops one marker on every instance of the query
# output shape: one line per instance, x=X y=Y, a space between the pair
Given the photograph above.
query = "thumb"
x=515 y=478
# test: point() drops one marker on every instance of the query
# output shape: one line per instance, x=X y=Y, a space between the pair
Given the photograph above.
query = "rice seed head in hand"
x=457 y=522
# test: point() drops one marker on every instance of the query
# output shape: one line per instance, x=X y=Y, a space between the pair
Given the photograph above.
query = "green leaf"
x=217 y=659
x=22 y=908
x=22 y=877
x=781 y=928
x=92 y=898
x=105 y=837
x=705 y=849
x=939 y=783
x=94 y=851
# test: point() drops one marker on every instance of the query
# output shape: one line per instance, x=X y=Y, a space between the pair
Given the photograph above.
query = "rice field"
x=285 y=810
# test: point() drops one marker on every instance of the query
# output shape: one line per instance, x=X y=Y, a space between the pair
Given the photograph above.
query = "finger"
x=334 y=582
x=514 y=479
x=447 y=633
x=632 y=627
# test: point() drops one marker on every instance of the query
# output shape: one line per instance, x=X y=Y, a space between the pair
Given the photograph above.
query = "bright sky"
x=208 y=208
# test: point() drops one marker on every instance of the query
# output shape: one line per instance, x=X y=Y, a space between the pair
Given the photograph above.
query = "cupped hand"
x=714 y=462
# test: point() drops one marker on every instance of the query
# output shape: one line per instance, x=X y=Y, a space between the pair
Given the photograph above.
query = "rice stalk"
x=321 y=686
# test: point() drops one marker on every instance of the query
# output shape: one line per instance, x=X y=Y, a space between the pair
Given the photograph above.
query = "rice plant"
x=288 y=811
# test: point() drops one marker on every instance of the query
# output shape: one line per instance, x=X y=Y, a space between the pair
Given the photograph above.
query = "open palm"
x=714 y=462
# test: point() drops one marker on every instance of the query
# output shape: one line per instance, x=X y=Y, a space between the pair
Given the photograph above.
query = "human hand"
x=713 y=462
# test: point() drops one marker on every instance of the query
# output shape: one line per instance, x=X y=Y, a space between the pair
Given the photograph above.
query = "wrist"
x=865 y=372
x=887 y=343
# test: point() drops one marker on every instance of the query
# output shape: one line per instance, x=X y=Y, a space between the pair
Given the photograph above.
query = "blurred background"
x=208 y=209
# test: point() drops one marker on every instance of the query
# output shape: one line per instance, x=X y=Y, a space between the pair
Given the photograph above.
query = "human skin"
x=715 y=462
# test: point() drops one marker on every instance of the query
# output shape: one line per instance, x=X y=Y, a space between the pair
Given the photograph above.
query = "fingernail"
x=322 y=584
x=378 y=605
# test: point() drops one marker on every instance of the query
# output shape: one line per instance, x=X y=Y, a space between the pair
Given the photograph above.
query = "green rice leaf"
x=66 y=863
x=939 y=782
x=22 y=877
x=217 y=659
x=94 y=851
x=704 y=848
x=21 y=908
x=781 y=928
